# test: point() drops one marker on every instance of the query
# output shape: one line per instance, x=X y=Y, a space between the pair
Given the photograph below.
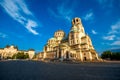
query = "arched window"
x=72 y=36
x=77 y=20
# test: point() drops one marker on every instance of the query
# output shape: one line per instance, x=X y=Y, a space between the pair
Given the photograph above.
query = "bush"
x=106 y=54
x=115 y=56
x=20 y=55
x=110 y=55
x=9 y=57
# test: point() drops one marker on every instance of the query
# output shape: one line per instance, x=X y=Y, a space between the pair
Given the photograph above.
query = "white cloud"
x=94 y=32
x=116 y=43
x=18 y=10
x=62 y=12
x=114 y=34
x=111 y=37
x=24 y=7
x=31 y=24
x=2 y=35
x=115 y=28
x=89 y=16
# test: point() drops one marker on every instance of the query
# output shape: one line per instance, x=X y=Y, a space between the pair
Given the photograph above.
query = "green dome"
x=74 y=29
x=60 y=31
x=52 y=39
x=64 y=45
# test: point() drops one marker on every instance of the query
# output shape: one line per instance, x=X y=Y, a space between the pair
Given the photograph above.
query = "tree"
x=106 y=54
x=26 y=56
x=14 y=56
x=20 y=55
x=9 y=57
x=110 y=55
x=115 y=56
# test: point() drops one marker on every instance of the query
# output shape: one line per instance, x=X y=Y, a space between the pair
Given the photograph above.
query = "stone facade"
x=31 y=53
x=9 y=51
x=76 y=45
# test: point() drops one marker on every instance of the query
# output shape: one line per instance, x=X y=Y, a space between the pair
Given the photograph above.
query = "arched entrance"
x=85 y=59
x=59 y=54
x=67 y=55
x=0 y=56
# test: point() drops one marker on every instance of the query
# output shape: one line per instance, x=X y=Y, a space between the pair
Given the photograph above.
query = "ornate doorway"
x=59 y=54
x=67 y=55
x=85 y=59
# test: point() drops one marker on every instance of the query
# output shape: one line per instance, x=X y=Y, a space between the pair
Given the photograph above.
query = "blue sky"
x=30 y=23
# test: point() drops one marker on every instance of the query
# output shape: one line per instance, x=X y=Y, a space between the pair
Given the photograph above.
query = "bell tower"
x=76 y=32
x=76 y=21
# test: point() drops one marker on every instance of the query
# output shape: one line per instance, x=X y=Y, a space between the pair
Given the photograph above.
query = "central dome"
x=59 y=34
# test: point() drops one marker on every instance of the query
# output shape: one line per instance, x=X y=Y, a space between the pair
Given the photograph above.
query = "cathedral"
x=77 y=45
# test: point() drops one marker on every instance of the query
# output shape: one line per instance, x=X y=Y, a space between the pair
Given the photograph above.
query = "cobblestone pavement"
x=37 y=70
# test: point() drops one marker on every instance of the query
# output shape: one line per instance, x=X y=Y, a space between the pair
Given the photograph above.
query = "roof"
x=74 y=29
x=59 y=31
x=52 y=38
x=8 y=46
x=64 y=45
x=84 y=36
x=64 y=39
x=31 y=50
x=76 y=18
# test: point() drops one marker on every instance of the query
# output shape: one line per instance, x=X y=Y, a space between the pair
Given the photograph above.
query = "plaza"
x=37 y=70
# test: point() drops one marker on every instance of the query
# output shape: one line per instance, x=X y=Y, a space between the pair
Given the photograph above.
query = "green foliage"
x=20 y=55
x=110 y=55
x=26 y=56
x=9 y=58
x=14 y=56
x=115 y=56
x=106 y=54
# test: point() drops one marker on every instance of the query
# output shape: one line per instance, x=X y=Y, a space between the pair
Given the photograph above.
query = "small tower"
x=76 y=32
x=76 y=21
x=59 y=35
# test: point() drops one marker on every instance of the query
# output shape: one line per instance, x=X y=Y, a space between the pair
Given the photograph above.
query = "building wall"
x=11 y=50
x=31 y=54
x=77 y=45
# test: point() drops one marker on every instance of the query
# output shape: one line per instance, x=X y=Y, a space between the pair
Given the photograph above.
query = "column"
x=58 y=52
x=44 y=55
x=61 y=55
x=81 y=56
x=96 y=56
x=90 y=56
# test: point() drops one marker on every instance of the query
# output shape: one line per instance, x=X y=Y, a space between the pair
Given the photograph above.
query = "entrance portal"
x=67 y=55
x=85 y=58
x=60 y=54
